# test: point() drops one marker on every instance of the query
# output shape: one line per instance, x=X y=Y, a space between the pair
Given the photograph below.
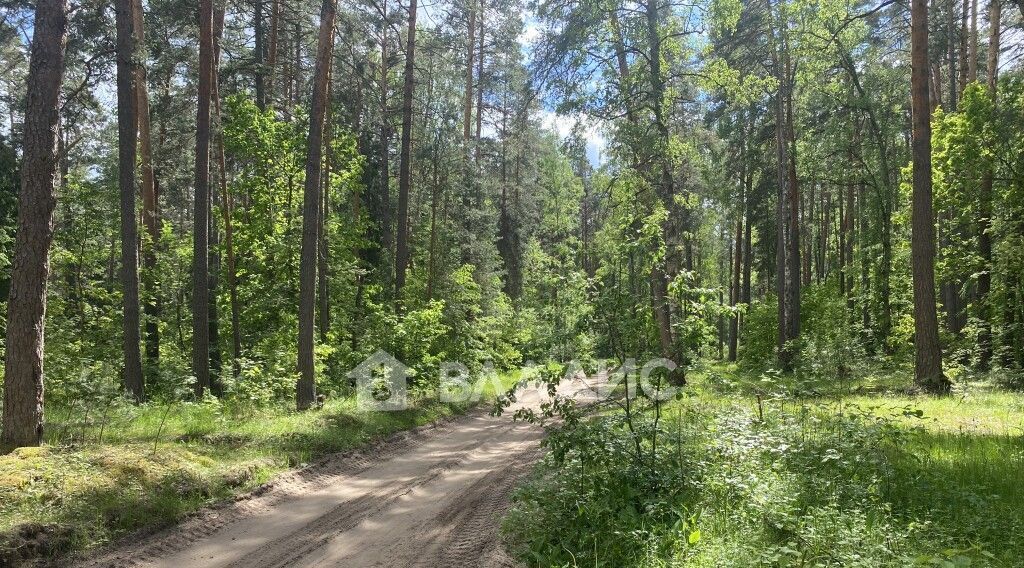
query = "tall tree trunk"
x=734 y=296
x=467 y=132
x=793 y=287
x=405 y=166
x=201 y=219
x=217 y=197
x=30 y=262
x=227 y=207
x=467 y=101
x=127 y=138
x=972 y=46
x=150 y=211
x=928 y=360
x=951 y=52
x=480 y=94
x=962 y=82
x=305 y=391
x=323 y=249
x=662 y=270
x=985 y=197
x=387 y=234
x=275 y=25
x=259 y=55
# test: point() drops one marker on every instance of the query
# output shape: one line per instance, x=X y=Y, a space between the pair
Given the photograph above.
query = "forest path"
x=432 y=497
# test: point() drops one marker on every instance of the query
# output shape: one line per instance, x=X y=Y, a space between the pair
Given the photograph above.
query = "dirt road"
x=428 y=498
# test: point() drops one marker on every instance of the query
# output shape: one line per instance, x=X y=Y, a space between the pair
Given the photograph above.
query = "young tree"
x=305 y=389
x=928 y=362
x=30 y=266
x=127 y=130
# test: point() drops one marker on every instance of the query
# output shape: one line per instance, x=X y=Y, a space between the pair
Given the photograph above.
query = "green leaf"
x=694 y=537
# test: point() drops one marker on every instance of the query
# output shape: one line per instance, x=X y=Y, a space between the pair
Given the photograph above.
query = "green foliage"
x=873 y=481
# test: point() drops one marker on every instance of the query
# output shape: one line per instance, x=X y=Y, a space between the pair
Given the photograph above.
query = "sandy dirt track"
x=431 y=497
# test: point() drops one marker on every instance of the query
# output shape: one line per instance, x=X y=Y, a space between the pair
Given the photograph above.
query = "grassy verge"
x=147 y=466
x=749 y=474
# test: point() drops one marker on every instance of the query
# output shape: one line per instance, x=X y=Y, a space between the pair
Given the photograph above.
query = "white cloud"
x=562 y=125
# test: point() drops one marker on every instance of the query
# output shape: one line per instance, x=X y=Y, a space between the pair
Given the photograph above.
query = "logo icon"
x=381 y=383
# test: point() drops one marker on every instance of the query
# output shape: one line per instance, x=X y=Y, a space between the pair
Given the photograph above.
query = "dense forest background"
x=515 y=183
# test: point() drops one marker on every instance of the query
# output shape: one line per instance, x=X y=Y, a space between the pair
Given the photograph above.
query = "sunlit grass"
x=130 y=467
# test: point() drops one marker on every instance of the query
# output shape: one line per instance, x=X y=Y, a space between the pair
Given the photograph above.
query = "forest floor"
x=107 y=476
x=762 y=470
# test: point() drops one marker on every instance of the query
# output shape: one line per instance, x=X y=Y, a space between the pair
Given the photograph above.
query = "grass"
x=757 y=471
x=135 y=467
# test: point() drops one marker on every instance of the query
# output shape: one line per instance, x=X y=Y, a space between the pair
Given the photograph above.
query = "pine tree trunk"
x=928 y=360
x=405 y=166
x=985 y=347
x=259 y=55
x=305 y=391
x=734 y=295
x=972 y=45
x=150 y=212
x=127 y=138
x=30 y=262
x=323 y=249
x=227 y=207
x=275 y=25
x=201 y=219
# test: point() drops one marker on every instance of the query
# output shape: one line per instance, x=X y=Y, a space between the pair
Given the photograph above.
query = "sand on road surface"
x=432 y=497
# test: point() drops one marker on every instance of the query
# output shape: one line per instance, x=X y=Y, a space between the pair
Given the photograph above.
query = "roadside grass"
x=142 y=467
x=756 y=471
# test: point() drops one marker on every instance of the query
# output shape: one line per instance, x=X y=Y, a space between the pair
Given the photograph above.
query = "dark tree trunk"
x=30 y=262
x=127 y=138
x=259 y=55
x=386 y=227
x=150 y=211
x=972 y=45
x=271 y=59
x=305 y=391
x=217 y=195
x=405 y=166
x=201 y=219
x=985 y=348
x=323 y=244
x=227 y=207
x=663 y=271
x=928 y=361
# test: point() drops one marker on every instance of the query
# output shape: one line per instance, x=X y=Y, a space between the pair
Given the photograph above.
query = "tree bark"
x=323 y=249
x=127 y=138
x=972 y=46
x=305 y=391
x=405 y=167
x=259 y=55
x=467 y=102
x=150 y=211
x=928 y=353
x=985 y=348
x=30 y=263
x=201 y=219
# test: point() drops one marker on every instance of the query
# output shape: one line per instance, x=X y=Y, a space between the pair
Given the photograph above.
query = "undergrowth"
x=754 y=475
